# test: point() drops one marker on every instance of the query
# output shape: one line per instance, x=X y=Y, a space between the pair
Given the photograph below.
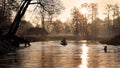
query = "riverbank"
x=113 y=41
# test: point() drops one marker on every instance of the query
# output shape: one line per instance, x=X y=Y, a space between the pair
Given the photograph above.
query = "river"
x=51 y=54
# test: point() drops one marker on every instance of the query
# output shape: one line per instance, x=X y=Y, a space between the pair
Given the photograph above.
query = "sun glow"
x=69 y=4
x=84 y=11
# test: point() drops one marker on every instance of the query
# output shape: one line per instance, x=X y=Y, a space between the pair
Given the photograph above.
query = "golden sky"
x=69 y=4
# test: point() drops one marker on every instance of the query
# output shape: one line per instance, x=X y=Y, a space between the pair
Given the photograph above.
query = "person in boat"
x=63 y=41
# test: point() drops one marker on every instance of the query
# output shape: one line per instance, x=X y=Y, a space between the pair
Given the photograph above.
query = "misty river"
x=50 y=54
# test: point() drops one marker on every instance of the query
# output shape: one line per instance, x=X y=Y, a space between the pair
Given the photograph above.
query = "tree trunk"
x=19 y=15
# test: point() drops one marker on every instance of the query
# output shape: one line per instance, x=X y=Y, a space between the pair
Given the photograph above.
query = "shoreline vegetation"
x=113 y=41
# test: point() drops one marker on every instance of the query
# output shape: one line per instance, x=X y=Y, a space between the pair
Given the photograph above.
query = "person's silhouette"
x=105 y=49
x=63 y=42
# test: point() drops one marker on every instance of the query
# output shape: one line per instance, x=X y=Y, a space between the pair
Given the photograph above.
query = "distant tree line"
x=84 y=25
x=89 y=24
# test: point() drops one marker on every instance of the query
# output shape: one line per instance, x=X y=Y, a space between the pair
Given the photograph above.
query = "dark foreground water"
x=53 y=55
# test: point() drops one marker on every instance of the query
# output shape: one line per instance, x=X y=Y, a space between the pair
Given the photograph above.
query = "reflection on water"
x=84 y=56
x=53 y=55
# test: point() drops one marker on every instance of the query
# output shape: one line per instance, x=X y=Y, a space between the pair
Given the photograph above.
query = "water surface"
x=53 y=55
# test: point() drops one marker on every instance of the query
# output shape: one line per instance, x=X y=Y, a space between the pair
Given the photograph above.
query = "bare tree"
x=79 y=22
x=116 y=17
x=108 y=8
x=45 y=4
x=93 y=14
x=94 y=11
x=51 y=8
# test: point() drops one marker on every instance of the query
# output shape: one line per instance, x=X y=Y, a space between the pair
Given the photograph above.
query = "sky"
x=69 y=4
